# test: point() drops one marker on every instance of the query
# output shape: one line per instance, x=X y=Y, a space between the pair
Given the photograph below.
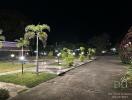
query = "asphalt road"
x=92 y=81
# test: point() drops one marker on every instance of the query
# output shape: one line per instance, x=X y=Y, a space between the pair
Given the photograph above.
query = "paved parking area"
x=92 y=81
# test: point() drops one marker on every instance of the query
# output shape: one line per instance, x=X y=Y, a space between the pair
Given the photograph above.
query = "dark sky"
x=73 y=20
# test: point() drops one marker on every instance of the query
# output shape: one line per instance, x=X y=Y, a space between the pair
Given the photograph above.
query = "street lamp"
x=58 y=55
x=37 y=53
x=22 y=58
x=44 y=57
x=103 y=52
x=12 y=57
x=73 y=53
x=82 y=53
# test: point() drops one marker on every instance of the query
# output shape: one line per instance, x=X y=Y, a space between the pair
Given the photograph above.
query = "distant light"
x=74 y=53
x=129 y=43
x=45 y=53
x=103 y=51
x=125 y=46
x=58 y=54
x=22 y=58
x=12 y=55
x=27 y=53
x=82 y=53
x=35 y=51
x=113 y=49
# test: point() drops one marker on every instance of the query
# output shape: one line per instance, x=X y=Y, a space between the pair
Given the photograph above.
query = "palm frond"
x=30 y=28
x=29 y=35
x=22 y=42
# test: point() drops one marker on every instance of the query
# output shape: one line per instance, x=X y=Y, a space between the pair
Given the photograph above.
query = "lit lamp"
x=73 y=53
x=12 y=57
x=129 y=43
x=58 y=55
x=82 y=53
x=22 y=58
x=113 y=49
x=45 y=53
x=103 y=51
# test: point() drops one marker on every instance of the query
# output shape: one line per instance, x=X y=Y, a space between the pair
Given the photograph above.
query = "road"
x=92 y=81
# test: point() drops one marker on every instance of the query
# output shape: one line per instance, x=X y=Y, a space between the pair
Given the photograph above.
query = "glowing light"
x=22 y=58
x=103 y=51
x=45 y=53
x=74 y=53
x=113 y=49
x=12 y=55
x=58 y=54
x=82 y=53
x=129 y=43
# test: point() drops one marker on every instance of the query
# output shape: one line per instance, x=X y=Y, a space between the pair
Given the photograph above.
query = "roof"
x=8 y=44
x=11 y=46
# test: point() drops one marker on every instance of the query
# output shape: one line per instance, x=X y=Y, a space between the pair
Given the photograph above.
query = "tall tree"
x=37 y=31
x=22 y=43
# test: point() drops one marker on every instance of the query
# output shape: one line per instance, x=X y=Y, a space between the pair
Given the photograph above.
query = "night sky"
x=74 y=21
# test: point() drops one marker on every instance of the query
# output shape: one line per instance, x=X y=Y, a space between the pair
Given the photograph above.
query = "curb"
x=69 y=69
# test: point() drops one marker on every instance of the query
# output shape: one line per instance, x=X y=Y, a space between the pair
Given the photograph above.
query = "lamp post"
x=22 y=58
x=58 y=55
x=12 y=56
x=74 y=53
x=37 y=69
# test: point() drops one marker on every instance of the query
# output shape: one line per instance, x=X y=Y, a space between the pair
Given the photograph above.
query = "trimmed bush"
x=50 y=54
x=67 y=56
x=82 y=57
x=91 y=53
x=82 y=54
x=4 y=94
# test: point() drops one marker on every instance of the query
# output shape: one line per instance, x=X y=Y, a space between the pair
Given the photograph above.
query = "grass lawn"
x=28 y=79
x=6 y=66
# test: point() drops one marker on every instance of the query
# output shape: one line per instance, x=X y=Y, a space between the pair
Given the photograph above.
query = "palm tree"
x=38 y=32
x=22 y=43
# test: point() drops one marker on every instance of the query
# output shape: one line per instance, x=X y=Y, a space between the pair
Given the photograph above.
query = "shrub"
x=91 y=52
x=82 y=49
x=50 y=54
x=82 y=57
x=82 y=54
x=67 y=56
x=4 y=94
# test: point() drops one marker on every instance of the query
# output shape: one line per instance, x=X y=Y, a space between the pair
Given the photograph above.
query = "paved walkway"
x=12 y=88
x=93 y=81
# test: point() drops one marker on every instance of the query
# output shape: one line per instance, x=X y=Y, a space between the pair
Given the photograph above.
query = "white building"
x=8 y=48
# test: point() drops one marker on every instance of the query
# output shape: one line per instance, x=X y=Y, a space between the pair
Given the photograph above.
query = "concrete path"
x=93 y=81
x=12 y=88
